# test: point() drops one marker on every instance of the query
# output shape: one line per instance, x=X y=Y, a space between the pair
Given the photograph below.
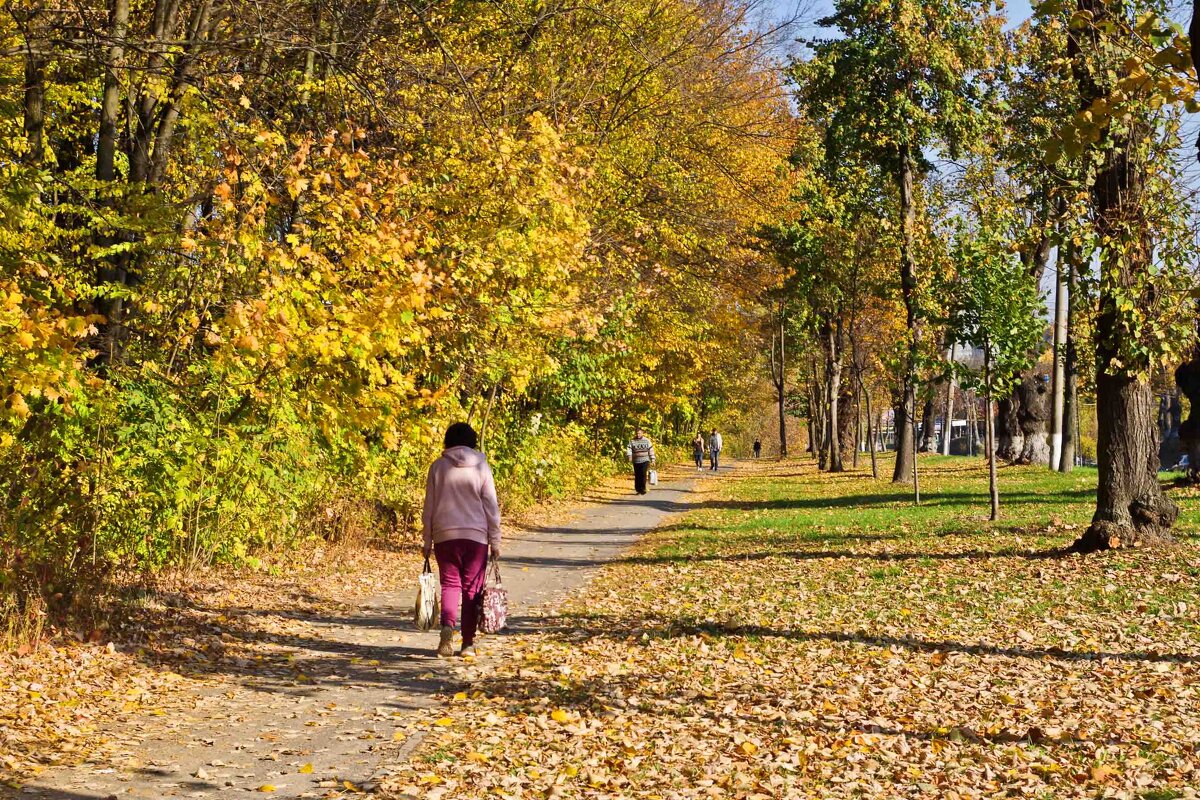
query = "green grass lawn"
x=808 y=635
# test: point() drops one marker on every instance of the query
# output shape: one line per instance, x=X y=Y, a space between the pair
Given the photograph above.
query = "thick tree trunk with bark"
x=1131 y=508
x=1009 y=440
x=847 y=425
x=1033 y=417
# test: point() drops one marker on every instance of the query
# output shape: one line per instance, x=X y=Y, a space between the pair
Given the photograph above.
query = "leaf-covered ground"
x=82 y=694
x=92 y=694
x=805 y=635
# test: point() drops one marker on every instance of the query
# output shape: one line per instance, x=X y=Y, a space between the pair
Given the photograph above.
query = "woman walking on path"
x=460 y=524
x=698 y=450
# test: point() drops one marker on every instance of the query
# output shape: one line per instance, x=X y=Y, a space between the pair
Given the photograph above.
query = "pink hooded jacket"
x=460 y=499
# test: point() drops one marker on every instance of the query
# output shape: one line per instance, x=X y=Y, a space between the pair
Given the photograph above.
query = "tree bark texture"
x=906 y=418
x=871 y=435
x=1009 y=440
x=1131 y=508
x=833 y=392
x=1058 y=376
x=1070 y=431
x=779 y=378
x=1033 y=415
x=948 y=426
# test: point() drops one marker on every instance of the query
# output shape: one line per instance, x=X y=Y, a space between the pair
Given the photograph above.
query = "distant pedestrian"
x=757 y=448
x=714 y=450
x=698 y=450
x=641 y=453
x=461 y=524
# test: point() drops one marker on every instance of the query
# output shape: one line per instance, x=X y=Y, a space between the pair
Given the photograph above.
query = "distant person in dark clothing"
x=714 y=450
x=698 y=451
x=757 y=448
x=641 y=453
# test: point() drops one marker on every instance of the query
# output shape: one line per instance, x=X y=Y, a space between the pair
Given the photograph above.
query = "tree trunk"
x=817 y=393
x=1131 y=509
x=110 y=104
x=846 y=442
x=1058 y=382
x=858 y=428
x=487 y=415
x=948 y=426
x=916 y=475
x=779 y=377
x=833 y=392
x=1071 y=366
x=1009 y=439
x=993 y=485
x=1033 y=418
x=871 y=435
x=35 y=105
x=905 y=436
x=928 y=442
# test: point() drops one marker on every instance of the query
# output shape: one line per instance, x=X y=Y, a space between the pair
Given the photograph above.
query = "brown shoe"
x=446 y=644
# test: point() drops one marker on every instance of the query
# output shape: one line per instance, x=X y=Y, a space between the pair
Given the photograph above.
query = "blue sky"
x=808 y=11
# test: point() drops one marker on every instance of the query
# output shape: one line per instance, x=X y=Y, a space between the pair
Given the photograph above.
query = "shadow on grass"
x=903 y=498
x=814 y=555
x=584 y=627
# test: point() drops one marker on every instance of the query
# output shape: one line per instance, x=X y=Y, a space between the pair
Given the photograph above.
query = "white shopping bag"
x=428 y=608
x=654 y=477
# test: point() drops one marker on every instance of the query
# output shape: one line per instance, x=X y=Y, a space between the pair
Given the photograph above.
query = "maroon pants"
x=462 y=569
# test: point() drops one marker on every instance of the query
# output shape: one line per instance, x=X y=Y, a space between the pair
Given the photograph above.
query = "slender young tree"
x=995 y=308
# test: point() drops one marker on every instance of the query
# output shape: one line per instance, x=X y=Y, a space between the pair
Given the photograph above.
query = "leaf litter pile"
x=804 y=635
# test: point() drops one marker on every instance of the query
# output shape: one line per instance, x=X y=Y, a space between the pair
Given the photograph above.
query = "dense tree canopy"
x=256 y=256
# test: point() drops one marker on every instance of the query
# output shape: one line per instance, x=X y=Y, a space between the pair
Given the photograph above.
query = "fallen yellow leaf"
x=306 y=769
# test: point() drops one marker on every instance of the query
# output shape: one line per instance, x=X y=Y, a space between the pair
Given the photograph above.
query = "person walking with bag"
x=714 y=450
x=698 y=450
x=461 y=526
x=641 y=453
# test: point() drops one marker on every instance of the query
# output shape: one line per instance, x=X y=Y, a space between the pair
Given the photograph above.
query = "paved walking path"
x=261 y=728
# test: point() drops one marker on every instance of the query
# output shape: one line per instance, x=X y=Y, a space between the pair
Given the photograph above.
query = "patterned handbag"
x=493 y=610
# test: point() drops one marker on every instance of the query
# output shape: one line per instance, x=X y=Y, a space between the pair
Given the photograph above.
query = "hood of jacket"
x=463 y=456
